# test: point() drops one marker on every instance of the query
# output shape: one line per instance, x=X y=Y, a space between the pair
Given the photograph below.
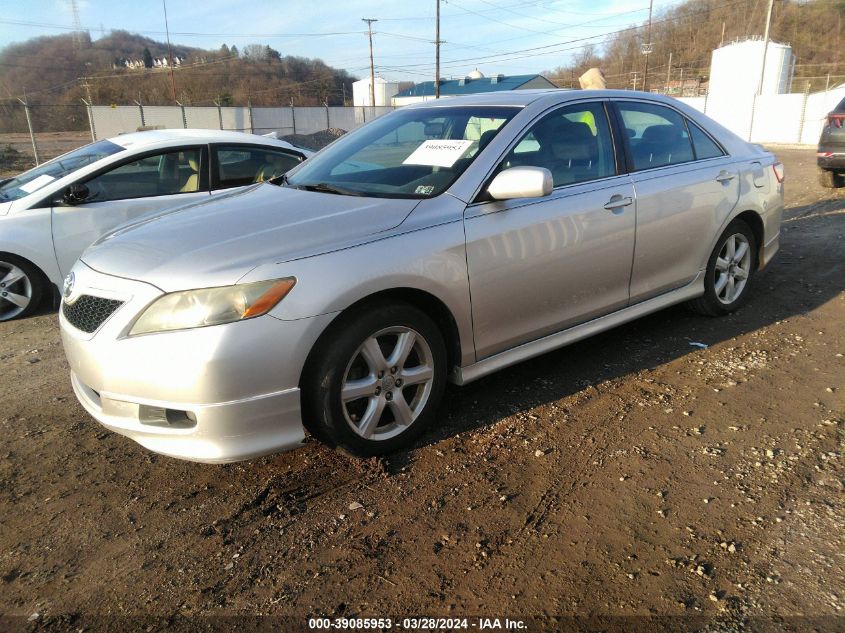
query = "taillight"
x=836 y=120
x=778 y=169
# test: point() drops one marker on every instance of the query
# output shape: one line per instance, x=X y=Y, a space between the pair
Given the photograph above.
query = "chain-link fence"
x=30 y=134
x=34 y=133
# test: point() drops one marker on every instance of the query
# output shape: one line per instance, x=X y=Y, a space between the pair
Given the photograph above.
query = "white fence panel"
x=168 y=117
x=203 y=118
x=699 y=103
x=734 y=114
x=818 y=105
x=110 y=121
x=777 y=118
x=235 y=118
x=310 y=120
x=343 y=118
x=266 y=120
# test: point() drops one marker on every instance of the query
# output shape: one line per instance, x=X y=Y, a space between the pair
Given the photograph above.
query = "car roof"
x=526 y=97
x=156 y=137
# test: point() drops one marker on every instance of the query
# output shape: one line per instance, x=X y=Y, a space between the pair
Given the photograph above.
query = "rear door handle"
x=617 y=202
x=725 y=176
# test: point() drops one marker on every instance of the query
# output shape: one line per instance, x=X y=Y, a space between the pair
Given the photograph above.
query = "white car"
x=50 y=214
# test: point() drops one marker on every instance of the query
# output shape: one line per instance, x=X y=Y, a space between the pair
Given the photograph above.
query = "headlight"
x=211 y=306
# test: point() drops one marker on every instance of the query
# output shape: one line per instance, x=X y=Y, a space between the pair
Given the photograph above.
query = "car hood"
x=218 y=241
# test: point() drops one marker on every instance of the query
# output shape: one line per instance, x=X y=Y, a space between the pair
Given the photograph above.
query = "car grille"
x=88 y=313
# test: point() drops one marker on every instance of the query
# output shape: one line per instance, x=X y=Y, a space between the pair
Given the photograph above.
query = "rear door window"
x=705 y=147
x=239 y=165
x=657 y=135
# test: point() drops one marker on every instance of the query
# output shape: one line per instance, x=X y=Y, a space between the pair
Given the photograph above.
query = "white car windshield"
x=413 y=153
x=32 y=180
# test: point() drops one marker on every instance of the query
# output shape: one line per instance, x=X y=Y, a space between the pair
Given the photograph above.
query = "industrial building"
x=473 y=83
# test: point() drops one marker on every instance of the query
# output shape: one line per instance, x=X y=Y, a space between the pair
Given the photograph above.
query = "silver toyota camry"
x=444 y=241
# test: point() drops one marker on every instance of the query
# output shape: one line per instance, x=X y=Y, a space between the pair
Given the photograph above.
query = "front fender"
x=29 y=235
x=432 y=260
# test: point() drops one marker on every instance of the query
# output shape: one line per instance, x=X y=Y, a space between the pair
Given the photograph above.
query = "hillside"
x=56 y=73
x=691 y=30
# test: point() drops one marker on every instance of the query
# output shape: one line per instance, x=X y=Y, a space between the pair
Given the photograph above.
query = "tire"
x=22 y=287
x=728 y=277
x=358 y=356
x=830 y=179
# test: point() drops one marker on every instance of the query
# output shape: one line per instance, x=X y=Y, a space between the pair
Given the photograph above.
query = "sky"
x=494 y=36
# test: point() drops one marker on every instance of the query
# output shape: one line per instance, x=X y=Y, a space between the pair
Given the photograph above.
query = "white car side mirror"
x=521 y=182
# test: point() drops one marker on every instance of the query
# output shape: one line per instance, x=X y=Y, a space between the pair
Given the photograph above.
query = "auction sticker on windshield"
x=438 y=153
x=37 y=183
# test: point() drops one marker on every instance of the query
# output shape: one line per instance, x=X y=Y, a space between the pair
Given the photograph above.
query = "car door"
x=684 y=193
x=537 y=266
x=143 y=185
x=240 y=164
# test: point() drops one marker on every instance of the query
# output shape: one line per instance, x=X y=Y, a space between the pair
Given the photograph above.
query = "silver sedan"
x=441 y=242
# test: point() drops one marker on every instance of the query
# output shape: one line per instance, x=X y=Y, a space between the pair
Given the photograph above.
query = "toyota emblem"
x=67 y=288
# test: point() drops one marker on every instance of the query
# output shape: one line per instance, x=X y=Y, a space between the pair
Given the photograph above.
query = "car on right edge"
x=441 y=242
x=831 y=153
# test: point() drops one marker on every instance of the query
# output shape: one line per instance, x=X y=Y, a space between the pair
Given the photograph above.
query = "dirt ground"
x=634 y=474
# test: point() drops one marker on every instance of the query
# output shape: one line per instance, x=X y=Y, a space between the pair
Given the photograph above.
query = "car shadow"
x=808 y=271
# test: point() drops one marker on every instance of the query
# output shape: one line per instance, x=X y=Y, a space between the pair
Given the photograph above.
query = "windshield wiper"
x=281 y=180
x=325 y=187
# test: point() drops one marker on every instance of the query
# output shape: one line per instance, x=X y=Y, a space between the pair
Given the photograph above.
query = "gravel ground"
x=632 y=474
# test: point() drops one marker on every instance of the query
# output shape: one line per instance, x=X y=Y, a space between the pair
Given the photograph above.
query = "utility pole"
x=369 y=22
x=29 y=125
x=669 y=72
x=88 y=105
x=647 y=45
x=634 y=74
x=765 y=46
x=169 y=50
x=437 y=55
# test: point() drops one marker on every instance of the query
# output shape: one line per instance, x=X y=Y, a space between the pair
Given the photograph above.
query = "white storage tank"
x=384 y=92
x=735 y=69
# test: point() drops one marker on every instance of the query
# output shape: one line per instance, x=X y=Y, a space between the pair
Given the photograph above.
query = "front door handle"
x=725 y=176
x=617 y=202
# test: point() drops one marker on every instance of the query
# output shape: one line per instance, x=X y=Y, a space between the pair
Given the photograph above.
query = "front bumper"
x=215 y=394
x=215 y=433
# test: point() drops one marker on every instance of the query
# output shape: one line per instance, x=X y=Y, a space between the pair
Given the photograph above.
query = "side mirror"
x=521 y=182
x=76 y=193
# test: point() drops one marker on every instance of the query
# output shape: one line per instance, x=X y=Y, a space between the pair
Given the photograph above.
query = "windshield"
x=32 y=180
x=413 y=153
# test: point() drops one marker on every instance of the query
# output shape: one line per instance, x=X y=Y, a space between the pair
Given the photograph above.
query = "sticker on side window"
x=437 y=153
x=37 y=183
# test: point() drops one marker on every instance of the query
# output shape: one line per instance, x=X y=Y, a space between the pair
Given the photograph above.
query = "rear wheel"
x=376 y=380
x=729 y=271
x=830 y=179
x=22 y=287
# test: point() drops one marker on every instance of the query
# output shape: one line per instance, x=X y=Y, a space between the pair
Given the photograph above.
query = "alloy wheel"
x=387 y=383
x=733 y=267
x=15 y=291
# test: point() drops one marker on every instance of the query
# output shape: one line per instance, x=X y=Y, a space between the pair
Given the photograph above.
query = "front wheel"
x=729 y=271
x=22 y=287
x=376 y=379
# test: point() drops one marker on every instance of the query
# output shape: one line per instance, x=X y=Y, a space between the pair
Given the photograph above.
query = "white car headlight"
x=211 y=306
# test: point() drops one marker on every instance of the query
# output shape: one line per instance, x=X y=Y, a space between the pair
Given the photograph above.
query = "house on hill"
x=473 y=83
